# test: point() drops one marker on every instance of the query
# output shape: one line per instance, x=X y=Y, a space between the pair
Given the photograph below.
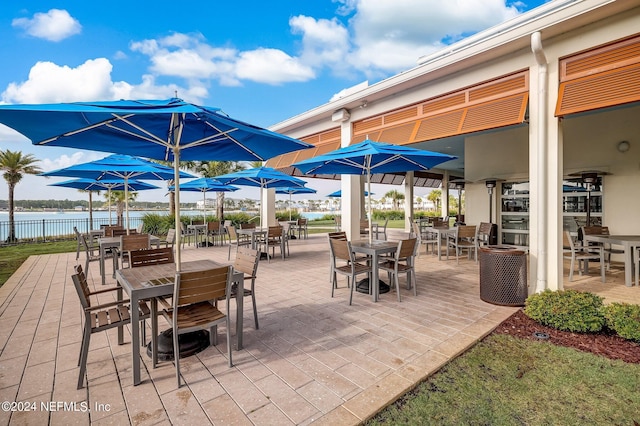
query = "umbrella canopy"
x=205 y=185
x=168 y=130
x=262 y=177
x=369 y=157
x=338 y=194
x=118 y=166
x=108 y=184
x=294 y=190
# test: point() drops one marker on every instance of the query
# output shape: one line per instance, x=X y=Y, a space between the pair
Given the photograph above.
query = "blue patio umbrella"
x=261 y=177
x=294 y=190
x=119 y=166
x=369 y=157
x=205 y=185
x=170 y=130
x=338 y=194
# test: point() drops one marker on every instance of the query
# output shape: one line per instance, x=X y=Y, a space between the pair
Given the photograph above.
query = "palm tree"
x=117 y=198
x=15 y=165
x=396 y=197
x=434 y=196
x=211 y=169
x=90 y=205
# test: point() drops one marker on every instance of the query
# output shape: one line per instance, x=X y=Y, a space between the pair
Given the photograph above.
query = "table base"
x=190 y=344
x=363 y=286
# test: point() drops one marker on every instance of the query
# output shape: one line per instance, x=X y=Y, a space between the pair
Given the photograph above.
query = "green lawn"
x=11 y=257
x=504 y=380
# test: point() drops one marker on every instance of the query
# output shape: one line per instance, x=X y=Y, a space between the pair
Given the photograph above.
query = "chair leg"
x=397 y=280
x=176 y=355
x=571 y=266
x=229 y=341
x=84 y=352
x=255 y=309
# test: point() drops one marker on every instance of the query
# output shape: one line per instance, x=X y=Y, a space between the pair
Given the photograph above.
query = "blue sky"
x=260 y=61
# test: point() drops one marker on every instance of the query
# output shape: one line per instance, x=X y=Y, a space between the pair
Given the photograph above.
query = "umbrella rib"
x=84 y=129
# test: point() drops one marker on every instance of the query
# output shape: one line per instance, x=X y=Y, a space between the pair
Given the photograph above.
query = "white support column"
x=408 y=200
x=445 y=194
x=268 y=207
x=350 y=185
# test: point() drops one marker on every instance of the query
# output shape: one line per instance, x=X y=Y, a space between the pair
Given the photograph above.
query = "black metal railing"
x=41 y=230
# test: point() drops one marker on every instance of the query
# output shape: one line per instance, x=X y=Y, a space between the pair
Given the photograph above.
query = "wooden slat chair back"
x=341 y=235
x=149 y=257
x=121 y=231
x=402 y=263
x=108 y=230
x=248 y=225
x=129 y=243
x=247 y=260
x=193 y=308
x=463 y=239
x=100 y=317
x=341 y=252
x=364 y=226
x=575 y=252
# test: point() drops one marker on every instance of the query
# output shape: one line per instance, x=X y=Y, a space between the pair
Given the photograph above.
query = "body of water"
x=43 y=225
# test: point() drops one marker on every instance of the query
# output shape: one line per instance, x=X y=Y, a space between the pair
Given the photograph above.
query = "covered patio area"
x=314 y=360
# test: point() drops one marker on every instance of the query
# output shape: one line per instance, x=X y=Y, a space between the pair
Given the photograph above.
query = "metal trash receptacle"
x=503 y=275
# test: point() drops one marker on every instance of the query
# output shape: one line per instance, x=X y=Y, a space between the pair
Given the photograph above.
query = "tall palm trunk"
x=11 y=238
x=220 y=206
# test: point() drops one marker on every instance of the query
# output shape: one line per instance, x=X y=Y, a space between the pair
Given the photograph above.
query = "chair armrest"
x=104 y=290
x=107 y=305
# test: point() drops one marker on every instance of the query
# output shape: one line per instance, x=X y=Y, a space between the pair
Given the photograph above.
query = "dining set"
x=152 y=284
x=353 y=258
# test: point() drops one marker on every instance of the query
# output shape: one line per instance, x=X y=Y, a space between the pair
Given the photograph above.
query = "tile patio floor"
x=314 y=360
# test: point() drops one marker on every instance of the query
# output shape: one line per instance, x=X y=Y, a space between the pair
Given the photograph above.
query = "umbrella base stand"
x=190 y=344
x=363 y=286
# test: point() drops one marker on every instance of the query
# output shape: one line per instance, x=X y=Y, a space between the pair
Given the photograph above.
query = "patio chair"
x=170 y=239
x=273 y=239
x=247 y=260
x=342 y=235
x=214 y=231
x=483 y=236
x=108 y=230
x=364 y=227
x=302 y=228
x=338 y=222
x=186 y=234
x=248 y=225
x=100 y=317
x=140 y=228
x=117 y=232
x=192 y=307
x=236 y=240
x=575 y=252
x=402 y=263
x=608 y=248
x=78 y=240
x=93 y=253
x=426 y=238
x=382 y=230
x=341 y=252
x=129 y=243
x=464 y=238
x=287 y=231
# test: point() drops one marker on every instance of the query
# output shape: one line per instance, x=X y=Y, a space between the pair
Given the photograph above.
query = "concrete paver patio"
x=314 y=360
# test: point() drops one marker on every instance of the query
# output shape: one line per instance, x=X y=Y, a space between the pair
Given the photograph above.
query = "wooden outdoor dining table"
x=149 y=282
x=374 y=249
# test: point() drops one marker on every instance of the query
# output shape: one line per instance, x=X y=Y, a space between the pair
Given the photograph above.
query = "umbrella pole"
x=368 y=160
x=109 y=201
x=176 y=212
x=289 y=207
x=126 y=200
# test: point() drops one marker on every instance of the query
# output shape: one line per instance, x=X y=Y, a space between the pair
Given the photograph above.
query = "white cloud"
x=51 y=83
x=55 y=25
x=64 y=160
x=271 y=66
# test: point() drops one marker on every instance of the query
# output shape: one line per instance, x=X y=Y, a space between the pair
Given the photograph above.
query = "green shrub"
x=624 y=319
x=567 y=310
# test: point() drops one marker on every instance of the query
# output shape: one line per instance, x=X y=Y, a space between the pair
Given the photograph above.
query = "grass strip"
x=505 y=381
x=11 y=257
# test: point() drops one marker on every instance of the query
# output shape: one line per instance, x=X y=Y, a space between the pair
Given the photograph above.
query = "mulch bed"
x=604 y=343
